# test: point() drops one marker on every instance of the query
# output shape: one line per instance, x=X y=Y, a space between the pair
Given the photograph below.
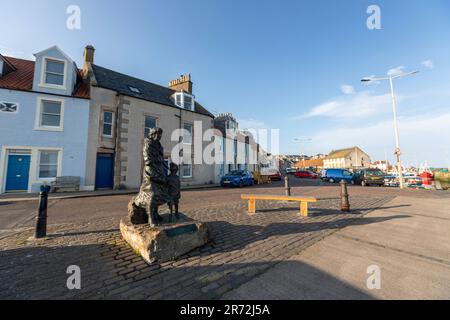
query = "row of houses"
x=60 y=120
x=348 y=158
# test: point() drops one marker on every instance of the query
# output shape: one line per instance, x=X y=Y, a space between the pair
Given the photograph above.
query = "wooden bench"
x=303 y=202
x=71 y=183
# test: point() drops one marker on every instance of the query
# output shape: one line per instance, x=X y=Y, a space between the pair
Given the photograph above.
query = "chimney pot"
x=183 y=83
x=89 y=54
x=88 y=58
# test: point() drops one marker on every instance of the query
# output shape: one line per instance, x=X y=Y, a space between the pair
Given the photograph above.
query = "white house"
x=350 y=158
x=238 y=147
x=44 y=117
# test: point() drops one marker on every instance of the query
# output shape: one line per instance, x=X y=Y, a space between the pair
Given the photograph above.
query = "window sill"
x=52 y=86
x=53 y=129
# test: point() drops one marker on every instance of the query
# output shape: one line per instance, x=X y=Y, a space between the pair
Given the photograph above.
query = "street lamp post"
x=394 y=108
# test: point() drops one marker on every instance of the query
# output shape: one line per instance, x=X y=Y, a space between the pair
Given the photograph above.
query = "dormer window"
x=53 y=72
x=184 y=100
x=188 y=102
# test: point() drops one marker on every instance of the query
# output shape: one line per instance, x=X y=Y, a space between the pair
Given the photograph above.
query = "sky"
x=295 y=66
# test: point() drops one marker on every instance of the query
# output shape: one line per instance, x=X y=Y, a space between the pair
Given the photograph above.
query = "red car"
x=306 y=175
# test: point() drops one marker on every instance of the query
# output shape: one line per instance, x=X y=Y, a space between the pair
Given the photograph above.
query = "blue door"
x=17 y=173
x=105 y=171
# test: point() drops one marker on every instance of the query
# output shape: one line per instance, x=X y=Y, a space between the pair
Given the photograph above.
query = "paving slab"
x=410 y=244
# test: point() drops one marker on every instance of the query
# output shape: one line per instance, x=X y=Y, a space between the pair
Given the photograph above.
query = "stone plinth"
x=165 y=242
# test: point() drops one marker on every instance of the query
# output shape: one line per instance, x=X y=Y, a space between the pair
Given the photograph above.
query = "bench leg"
x=304 y=209
x=252 y=206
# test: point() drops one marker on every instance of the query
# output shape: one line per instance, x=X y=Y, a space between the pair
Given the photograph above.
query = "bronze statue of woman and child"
x=157 y=188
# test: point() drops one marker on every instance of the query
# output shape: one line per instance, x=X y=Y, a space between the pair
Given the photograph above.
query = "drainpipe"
x=180 y=117
x=116 y=186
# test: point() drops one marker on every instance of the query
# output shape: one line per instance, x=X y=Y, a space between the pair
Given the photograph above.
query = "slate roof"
x=342 y=153
x=22 y=78
x=112 y=80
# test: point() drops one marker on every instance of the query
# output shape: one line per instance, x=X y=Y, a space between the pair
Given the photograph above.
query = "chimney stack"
x=88 y=58
x=183 y=83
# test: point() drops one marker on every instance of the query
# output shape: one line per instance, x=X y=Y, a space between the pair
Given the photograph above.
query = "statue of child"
x=174 y=190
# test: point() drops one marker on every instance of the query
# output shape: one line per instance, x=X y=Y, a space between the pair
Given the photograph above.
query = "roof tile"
x=22 y=78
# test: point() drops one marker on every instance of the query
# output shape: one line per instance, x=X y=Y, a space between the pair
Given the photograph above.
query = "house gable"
x=54 y=72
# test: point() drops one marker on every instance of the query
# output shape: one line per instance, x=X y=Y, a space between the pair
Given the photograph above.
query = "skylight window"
x=135 y=90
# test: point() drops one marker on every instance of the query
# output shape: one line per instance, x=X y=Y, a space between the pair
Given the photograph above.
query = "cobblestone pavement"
x=14 y=215
x=241 y=248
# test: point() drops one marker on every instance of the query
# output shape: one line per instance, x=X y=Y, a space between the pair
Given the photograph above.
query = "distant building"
x=382 y=165
x=289 y=161
x=319 y=156
x=239 y=149
x=350 y=158
x=312 y=163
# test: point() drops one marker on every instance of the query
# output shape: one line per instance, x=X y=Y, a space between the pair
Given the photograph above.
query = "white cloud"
x=347 y=89
x=396 y=71
x=359 y=105
x=422 y=138
x=429 y=64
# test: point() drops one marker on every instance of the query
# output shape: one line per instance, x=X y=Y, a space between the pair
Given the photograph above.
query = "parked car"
x=237 y=178
x=275 y=176
x=306 y=174
x=291 y=171
x=366 y=177
x=337 y=175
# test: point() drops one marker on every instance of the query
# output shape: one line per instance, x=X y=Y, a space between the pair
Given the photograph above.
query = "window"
x=150 y=123
x=108 y=118
x=54 y=72
x=187 y=171
x=48 y=164
x=135 y=90
x=9 y=107
x=178 y=100
x=50 y=114
x=185 y=101
x=188 y=102
x=187 y=134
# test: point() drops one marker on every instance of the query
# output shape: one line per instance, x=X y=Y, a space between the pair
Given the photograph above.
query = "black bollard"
x=41 y=224
x=287 y=186
x=345 y=204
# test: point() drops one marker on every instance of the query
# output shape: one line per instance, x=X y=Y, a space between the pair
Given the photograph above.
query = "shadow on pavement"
x=225 y=236
x=41 y=273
